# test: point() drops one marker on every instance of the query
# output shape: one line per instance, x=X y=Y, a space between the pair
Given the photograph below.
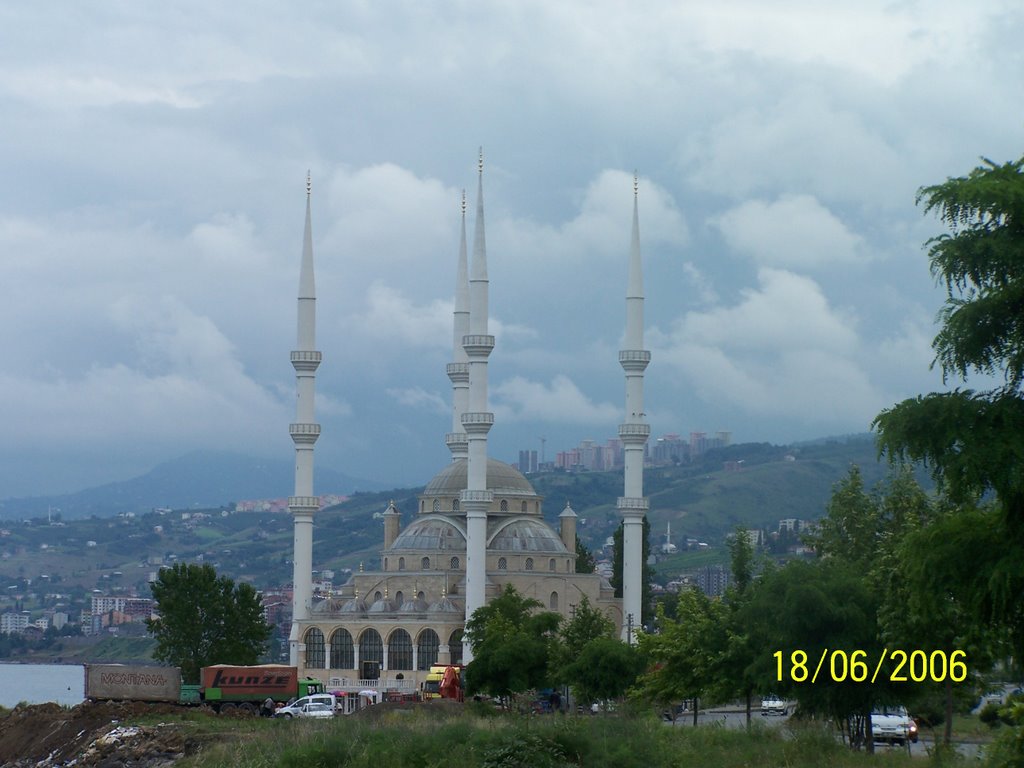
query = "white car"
x=772 y=705
x=306 y=710
x=893 y=725
x=309 y=706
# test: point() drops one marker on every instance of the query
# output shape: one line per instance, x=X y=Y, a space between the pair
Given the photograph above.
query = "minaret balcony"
x=458 y=373
x=634 y=359
x=479 y=423
x=306 y=359
x=468 y=496
x=632 y=506
x=304 y=434
x=456 y=440
x=635 y=433
x=303 y=503
x=478 y=344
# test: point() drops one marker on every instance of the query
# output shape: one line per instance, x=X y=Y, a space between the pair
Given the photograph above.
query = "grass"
x=416 y=739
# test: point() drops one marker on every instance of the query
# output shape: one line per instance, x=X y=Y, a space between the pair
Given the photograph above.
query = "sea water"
x=41 y=683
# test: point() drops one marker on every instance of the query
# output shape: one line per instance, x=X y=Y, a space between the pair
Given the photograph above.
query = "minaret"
x=477 y=420
x=458 y=369
x=633 y=432
x=303 y=505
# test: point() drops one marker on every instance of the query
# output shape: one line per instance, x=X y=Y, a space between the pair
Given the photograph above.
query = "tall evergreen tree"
x=203 y=619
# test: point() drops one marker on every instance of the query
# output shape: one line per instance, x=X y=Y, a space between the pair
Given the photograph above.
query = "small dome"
x=502 y=479
x=526 y=535
x=416 y=605
x=444 y=605
x=355 y=605
x=330 y=605
x=430 y=533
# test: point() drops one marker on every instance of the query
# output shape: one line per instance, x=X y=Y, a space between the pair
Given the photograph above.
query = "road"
x=731 y=718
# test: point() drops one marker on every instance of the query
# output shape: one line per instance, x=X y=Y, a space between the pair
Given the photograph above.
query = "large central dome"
x=502 y=480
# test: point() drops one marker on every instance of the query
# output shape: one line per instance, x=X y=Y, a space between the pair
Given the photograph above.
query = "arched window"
x=551 y=564
x=425 y=563
x=523 y=507
x=377 y=596
x=504 y=505
x=420 y=595
x=399 y=599
x=423 y=506
x=342 y=655
x=385 y=563
x=400 y=650
x=536 y=507
x=455 y=646
x=401 y=563
x=553 y=602
x=454 y=564
x=529 y=563
x=315 y=649
x=455 y=505
x=437 y=505
x=502 y=564
x=427 y=648
x=371 y=650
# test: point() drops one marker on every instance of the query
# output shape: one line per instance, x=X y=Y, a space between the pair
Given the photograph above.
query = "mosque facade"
x=479 y=526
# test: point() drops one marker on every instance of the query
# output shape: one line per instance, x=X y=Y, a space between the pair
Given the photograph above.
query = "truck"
x=224 y=687
x=443 y=681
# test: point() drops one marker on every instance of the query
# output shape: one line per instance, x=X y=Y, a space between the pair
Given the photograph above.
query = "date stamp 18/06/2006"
x=840 y=666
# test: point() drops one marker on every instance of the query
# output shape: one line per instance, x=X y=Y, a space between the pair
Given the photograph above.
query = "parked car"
x=773 y=705
x=309 y=706
x=892 y=725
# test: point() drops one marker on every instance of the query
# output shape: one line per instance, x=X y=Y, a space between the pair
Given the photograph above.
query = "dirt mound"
x=92 y=734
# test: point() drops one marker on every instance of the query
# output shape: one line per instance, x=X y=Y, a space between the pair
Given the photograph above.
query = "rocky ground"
x=102 y=734
x=92 y=734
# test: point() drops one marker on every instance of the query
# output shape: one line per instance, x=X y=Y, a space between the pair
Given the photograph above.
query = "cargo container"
x=223 y=687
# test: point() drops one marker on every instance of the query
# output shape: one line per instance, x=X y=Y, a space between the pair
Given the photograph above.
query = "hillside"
x=196 y=480
x=702 y=500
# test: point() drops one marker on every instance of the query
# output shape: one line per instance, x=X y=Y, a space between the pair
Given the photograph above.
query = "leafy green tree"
x=512 y=645
x=971 y=440
x=605 y=668
x=203 y=619
x=585 y=562
x=809 y=611
x=736 y=668
x=586 y=624
x=680 y=659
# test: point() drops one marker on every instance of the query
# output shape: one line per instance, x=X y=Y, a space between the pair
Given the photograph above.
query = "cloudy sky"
x=154 y=160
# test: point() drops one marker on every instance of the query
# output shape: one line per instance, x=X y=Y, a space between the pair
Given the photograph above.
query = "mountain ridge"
x=195 y=479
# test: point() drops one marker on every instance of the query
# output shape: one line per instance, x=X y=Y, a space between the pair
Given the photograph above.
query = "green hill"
x=754 y=485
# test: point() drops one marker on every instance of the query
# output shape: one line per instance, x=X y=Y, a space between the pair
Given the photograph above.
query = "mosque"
x=479 y=526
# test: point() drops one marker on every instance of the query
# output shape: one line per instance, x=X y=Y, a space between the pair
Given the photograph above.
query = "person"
x=268 y=707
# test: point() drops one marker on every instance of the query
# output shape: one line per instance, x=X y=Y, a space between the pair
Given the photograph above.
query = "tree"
x=585 y=562
x=604 y=669
x=972 y=440
x=511 y=645
x=680 y=659
x=587 y=624
x=203 y=619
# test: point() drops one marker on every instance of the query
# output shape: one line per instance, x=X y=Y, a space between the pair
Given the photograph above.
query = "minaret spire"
x=477 y=420
x=633 y=432
x=304 y=432
x=458 y=369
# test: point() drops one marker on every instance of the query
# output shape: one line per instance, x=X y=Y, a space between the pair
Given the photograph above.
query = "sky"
x=153 y=193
